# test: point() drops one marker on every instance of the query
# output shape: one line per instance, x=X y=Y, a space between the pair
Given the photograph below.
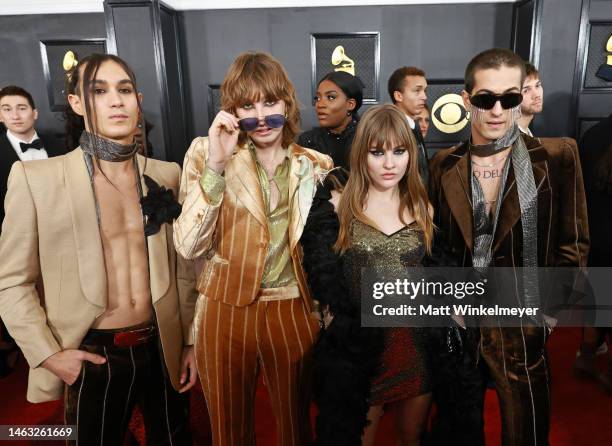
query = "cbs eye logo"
x=448 y=114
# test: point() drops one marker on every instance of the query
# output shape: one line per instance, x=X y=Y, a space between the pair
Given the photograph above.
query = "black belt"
x=121 y=337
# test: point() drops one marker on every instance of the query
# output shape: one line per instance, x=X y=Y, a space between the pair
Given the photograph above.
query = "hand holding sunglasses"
x=222 y=137
x=487 y=101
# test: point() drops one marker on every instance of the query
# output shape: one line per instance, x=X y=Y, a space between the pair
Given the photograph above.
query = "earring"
x=348 y=113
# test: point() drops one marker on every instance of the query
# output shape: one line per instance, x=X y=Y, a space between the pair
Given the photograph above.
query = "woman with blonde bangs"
x=380 y=220
x=246 y=190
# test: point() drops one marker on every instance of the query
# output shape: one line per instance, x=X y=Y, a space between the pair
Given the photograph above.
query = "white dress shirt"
x=30 y=154
x=411 y=122
x=526 y=131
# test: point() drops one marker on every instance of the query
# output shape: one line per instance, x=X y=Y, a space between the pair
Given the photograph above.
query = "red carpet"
x=580 y=417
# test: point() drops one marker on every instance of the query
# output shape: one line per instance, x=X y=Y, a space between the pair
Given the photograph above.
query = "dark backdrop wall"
x=559 y=34
x=438 y=38
x=20 y=59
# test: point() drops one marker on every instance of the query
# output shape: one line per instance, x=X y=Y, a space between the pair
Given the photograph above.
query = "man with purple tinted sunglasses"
x=246 y=192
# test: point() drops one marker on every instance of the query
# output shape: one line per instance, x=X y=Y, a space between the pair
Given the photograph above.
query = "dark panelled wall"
x=20 y=61
x=560 y=26
x=438 y=38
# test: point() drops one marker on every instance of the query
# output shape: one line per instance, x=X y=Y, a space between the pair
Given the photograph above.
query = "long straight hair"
x=382 y=126
x=79 y=82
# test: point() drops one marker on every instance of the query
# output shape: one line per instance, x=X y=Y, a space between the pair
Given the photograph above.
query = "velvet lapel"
x=92 y=272
x=299 y=203
x=241 y=178
x=457 y=192
x=157 y=244
x=510 y=211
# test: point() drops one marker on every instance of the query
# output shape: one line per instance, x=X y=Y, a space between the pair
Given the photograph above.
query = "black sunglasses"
x=487 y=101
x=272 y=121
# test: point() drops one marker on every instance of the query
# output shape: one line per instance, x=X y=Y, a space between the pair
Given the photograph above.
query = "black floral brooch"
x=159 y=206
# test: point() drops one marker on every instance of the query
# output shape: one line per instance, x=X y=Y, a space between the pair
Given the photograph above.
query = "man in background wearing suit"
x=19 y=142
x=533 y=98
x=114 y=327
x=407 y=88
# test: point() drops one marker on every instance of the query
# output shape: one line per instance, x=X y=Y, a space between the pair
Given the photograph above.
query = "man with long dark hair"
x=114 y=327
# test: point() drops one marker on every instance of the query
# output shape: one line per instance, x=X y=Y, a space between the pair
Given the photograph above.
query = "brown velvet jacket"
x=563 y=234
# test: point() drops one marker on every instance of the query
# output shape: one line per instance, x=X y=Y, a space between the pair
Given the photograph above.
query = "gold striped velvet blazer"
x=232 y=237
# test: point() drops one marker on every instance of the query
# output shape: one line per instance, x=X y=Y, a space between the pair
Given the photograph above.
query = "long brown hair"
x=379 y=126
x=253 y=75
x=79 y=82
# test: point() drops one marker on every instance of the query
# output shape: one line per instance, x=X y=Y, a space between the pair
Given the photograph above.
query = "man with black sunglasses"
x=495 y=207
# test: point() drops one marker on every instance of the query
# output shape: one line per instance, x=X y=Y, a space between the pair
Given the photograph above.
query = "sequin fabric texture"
x=403 y=368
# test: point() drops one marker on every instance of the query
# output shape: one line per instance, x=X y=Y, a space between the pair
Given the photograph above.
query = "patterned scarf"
x=105 y=149
x=484 y=230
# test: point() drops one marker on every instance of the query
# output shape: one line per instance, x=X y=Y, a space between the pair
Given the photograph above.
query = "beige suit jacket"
x=232 y=236
x=51 y=232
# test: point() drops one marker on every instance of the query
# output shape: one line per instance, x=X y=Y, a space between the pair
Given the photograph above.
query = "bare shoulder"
x=335 y=199
x=430 y=209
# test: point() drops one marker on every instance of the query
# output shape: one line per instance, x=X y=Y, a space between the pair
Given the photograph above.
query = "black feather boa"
x=346 y=356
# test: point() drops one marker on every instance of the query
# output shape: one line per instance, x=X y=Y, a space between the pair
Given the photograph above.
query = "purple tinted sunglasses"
x=272 y=121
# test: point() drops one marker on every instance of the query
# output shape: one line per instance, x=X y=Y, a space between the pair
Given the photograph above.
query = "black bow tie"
x=36 y=144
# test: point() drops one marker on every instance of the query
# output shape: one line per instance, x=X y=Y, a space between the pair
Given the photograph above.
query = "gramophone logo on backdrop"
x=341 y=61
x=448 y=113
x=605 y=71
x=69 y=61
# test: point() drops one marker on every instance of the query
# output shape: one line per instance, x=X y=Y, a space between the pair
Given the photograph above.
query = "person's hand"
x=326 y=316
x=189 y=371
x=67 y=364
x=222 y=138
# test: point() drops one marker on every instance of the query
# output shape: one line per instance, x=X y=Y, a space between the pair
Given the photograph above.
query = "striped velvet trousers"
x=233 y=344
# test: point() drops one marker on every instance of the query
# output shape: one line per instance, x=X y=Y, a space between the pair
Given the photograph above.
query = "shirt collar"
x=526 y=131
x=411 y=122
x=251 y=147
x=16 y=139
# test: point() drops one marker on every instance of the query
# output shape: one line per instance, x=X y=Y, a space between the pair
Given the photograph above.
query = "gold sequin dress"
x=403 y=371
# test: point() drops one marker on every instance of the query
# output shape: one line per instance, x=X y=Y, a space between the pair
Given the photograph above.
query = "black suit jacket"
x=8 y=157
x=423 y=158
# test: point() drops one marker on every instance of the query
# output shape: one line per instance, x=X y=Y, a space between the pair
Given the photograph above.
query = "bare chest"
x=490 y=180
x=387 y=217
x=120 y=212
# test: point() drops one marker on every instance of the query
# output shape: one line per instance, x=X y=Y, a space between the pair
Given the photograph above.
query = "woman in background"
x=381 y=220
x=339 y=97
